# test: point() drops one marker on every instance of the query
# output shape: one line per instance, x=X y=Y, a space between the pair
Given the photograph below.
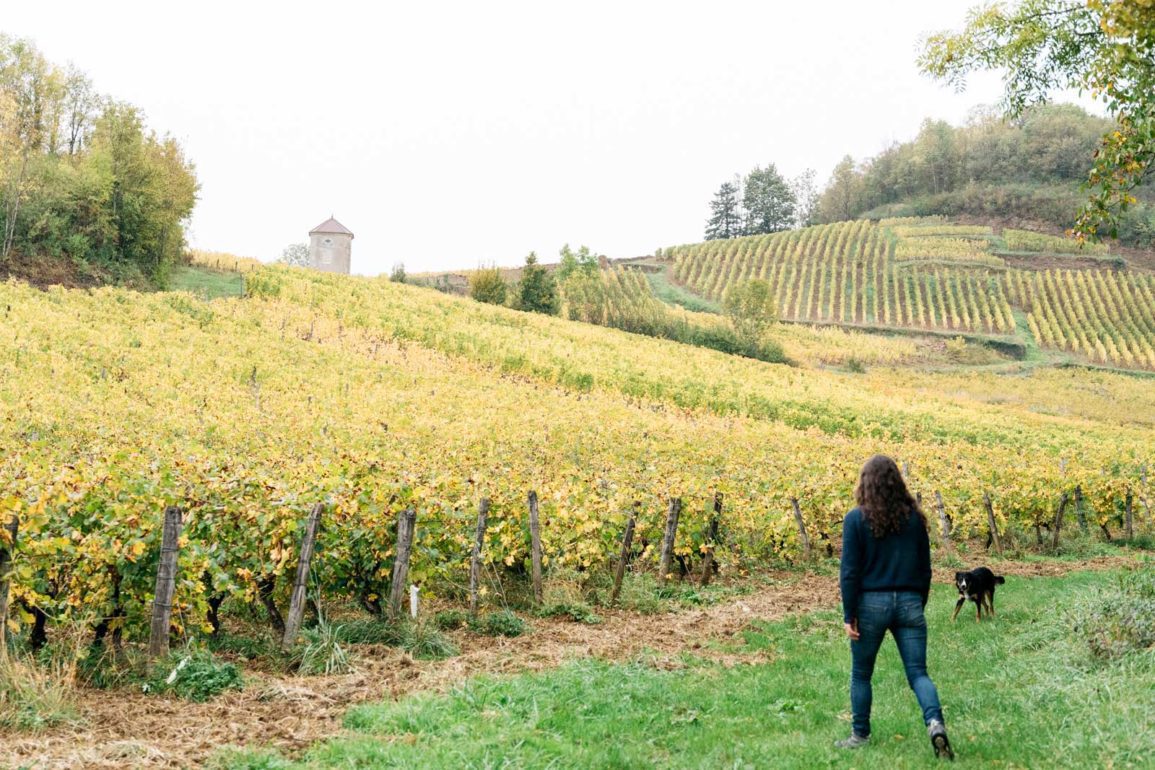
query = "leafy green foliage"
x=194 y=674
x=580 y=261
x=578 y=612
x=500 y=623
x=537 y=289
x=752 y=310
x=487 y=285
x=82 y=178
x=1105 y=47
x=397 y=275
x=451 y=620
x=768 y=202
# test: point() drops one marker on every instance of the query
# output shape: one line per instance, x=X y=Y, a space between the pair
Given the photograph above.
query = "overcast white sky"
x=451 y=134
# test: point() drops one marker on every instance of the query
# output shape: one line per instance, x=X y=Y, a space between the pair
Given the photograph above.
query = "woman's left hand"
x=852 y=629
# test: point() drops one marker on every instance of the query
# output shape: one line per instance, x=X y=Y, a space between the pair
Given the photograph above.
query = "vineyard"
x=929 y=274
x=373 y=398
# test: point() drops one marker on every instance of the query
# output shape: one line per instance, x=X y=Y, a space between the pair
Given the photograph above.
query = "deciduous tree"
x=1105 y=47
x=768 y=201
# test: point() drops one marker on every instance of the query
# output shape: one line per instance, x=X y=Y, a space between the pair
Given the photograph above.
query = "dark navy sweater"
x=898 y=562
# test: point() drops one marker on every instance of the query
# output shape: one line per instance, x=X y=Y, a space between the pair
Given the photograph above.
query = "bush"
x=500 y=623
x=451 y=620
x=579 y=612
x=487 y=285
x=195 y=675
x=1119 y=620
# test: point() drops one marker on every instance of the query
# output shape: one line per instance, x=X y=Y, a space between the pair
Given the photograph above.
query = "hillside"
x=374 y=396
x=930 y=274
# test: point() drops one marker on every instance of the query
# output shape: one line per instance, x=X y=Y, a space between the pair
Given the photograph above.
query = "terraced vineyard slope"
x=926 y=273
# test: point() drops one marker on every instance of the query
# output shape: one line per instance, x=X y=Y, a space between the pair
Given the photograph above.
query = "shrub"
x=371 y=631
x=195 y=675
x=1119 y=619
x=451 y=620
x=579 y=612
x=487 y=285
x=500 y=623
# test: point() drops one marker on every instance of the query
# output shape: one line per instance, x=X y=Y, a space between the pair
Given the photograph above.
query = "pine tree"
x=726 y=219
x=537 y=290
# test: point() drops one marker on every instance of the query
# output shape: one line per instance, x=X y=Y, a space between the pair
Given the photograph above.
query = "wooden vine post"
x=1143 y=498
x=12 y=528
x=301 y=582
x=802 y=534
x=1080 y=509
x=943 y=521
x=1059 y=521
x=994 y=530
x=623 y=559
x=165 y=584
x=406 y=524
x=667 y=552
x=475 y=557
x=711 y=538
x=535 y=547
x=1129 y=516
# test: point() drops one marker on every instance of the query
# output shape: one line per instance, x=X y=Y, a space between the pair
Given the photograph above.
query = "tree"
x=398 y=273
x=805 y=198
x=726 y=213
x=752 y=310
x=572 y=261
x=840 y=200
x=537 y=289
x=487 y=285
x=768 y=201
x=296 y=254
x=1105 y=47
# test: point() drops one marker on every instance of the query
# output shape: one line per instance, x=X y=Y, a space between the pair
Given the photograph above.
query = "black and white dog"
x=978 y=585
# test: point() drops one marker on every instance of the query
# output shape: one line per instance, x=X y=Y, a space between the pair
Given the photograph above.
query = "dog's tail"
x=1000 y=579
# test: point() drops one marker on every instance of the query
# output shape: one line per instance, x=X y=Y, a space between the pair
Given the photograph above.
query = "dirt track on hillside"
x=128 y=729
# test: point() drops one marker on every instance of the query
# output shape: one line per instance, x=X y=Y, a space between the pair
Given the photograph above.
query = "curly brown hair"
x=883 y=497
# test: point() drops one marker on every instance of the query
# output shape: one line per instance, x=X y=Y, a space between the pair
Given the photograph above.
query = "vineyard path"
x=127 y=729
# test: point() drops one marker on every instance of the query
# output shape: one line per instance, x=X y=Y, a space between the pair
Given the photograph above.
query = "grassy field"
x=1021 y=691
x=207 y=283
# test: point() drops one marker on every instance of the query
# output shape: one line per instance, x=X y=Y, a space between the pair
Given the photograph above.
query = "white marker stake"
x=413 y=601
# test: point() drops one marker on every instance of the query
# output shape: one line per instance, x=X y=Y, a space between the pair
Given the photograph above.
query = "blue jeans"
x=901 y=612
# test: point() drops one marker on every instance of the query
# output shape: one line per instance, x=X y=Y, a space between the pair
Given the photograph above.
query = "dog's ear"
x=959 y=576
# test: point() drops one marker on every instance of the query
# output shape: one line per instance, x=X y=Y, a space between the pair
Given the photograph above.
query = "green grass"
x=673 y=294
x=209 y=284
x=1021 y=691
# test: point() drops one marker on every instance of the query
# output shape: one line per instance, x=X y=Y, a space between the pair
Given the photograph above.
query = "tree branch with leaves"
x=1103 y=47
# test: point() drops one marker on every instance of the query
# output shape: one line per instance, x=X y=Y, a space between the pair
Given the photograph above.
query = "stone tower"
x=330 y=247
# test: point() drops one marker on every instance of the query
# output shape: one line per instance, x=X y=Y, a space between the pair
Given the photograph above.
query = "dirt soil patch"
x=122 y=728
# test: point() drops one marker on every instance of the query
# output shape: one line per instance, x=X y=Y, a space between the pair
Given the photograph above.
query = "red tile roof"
x=331 y=225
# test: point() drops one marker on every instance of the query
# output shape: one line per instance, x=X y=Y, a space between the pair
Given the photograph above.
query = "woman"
x=885 y=580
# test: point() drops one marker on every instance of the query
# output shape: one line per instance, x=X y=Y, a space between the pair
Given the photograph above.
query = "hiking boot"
x=855 y=741
x=938 y=739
